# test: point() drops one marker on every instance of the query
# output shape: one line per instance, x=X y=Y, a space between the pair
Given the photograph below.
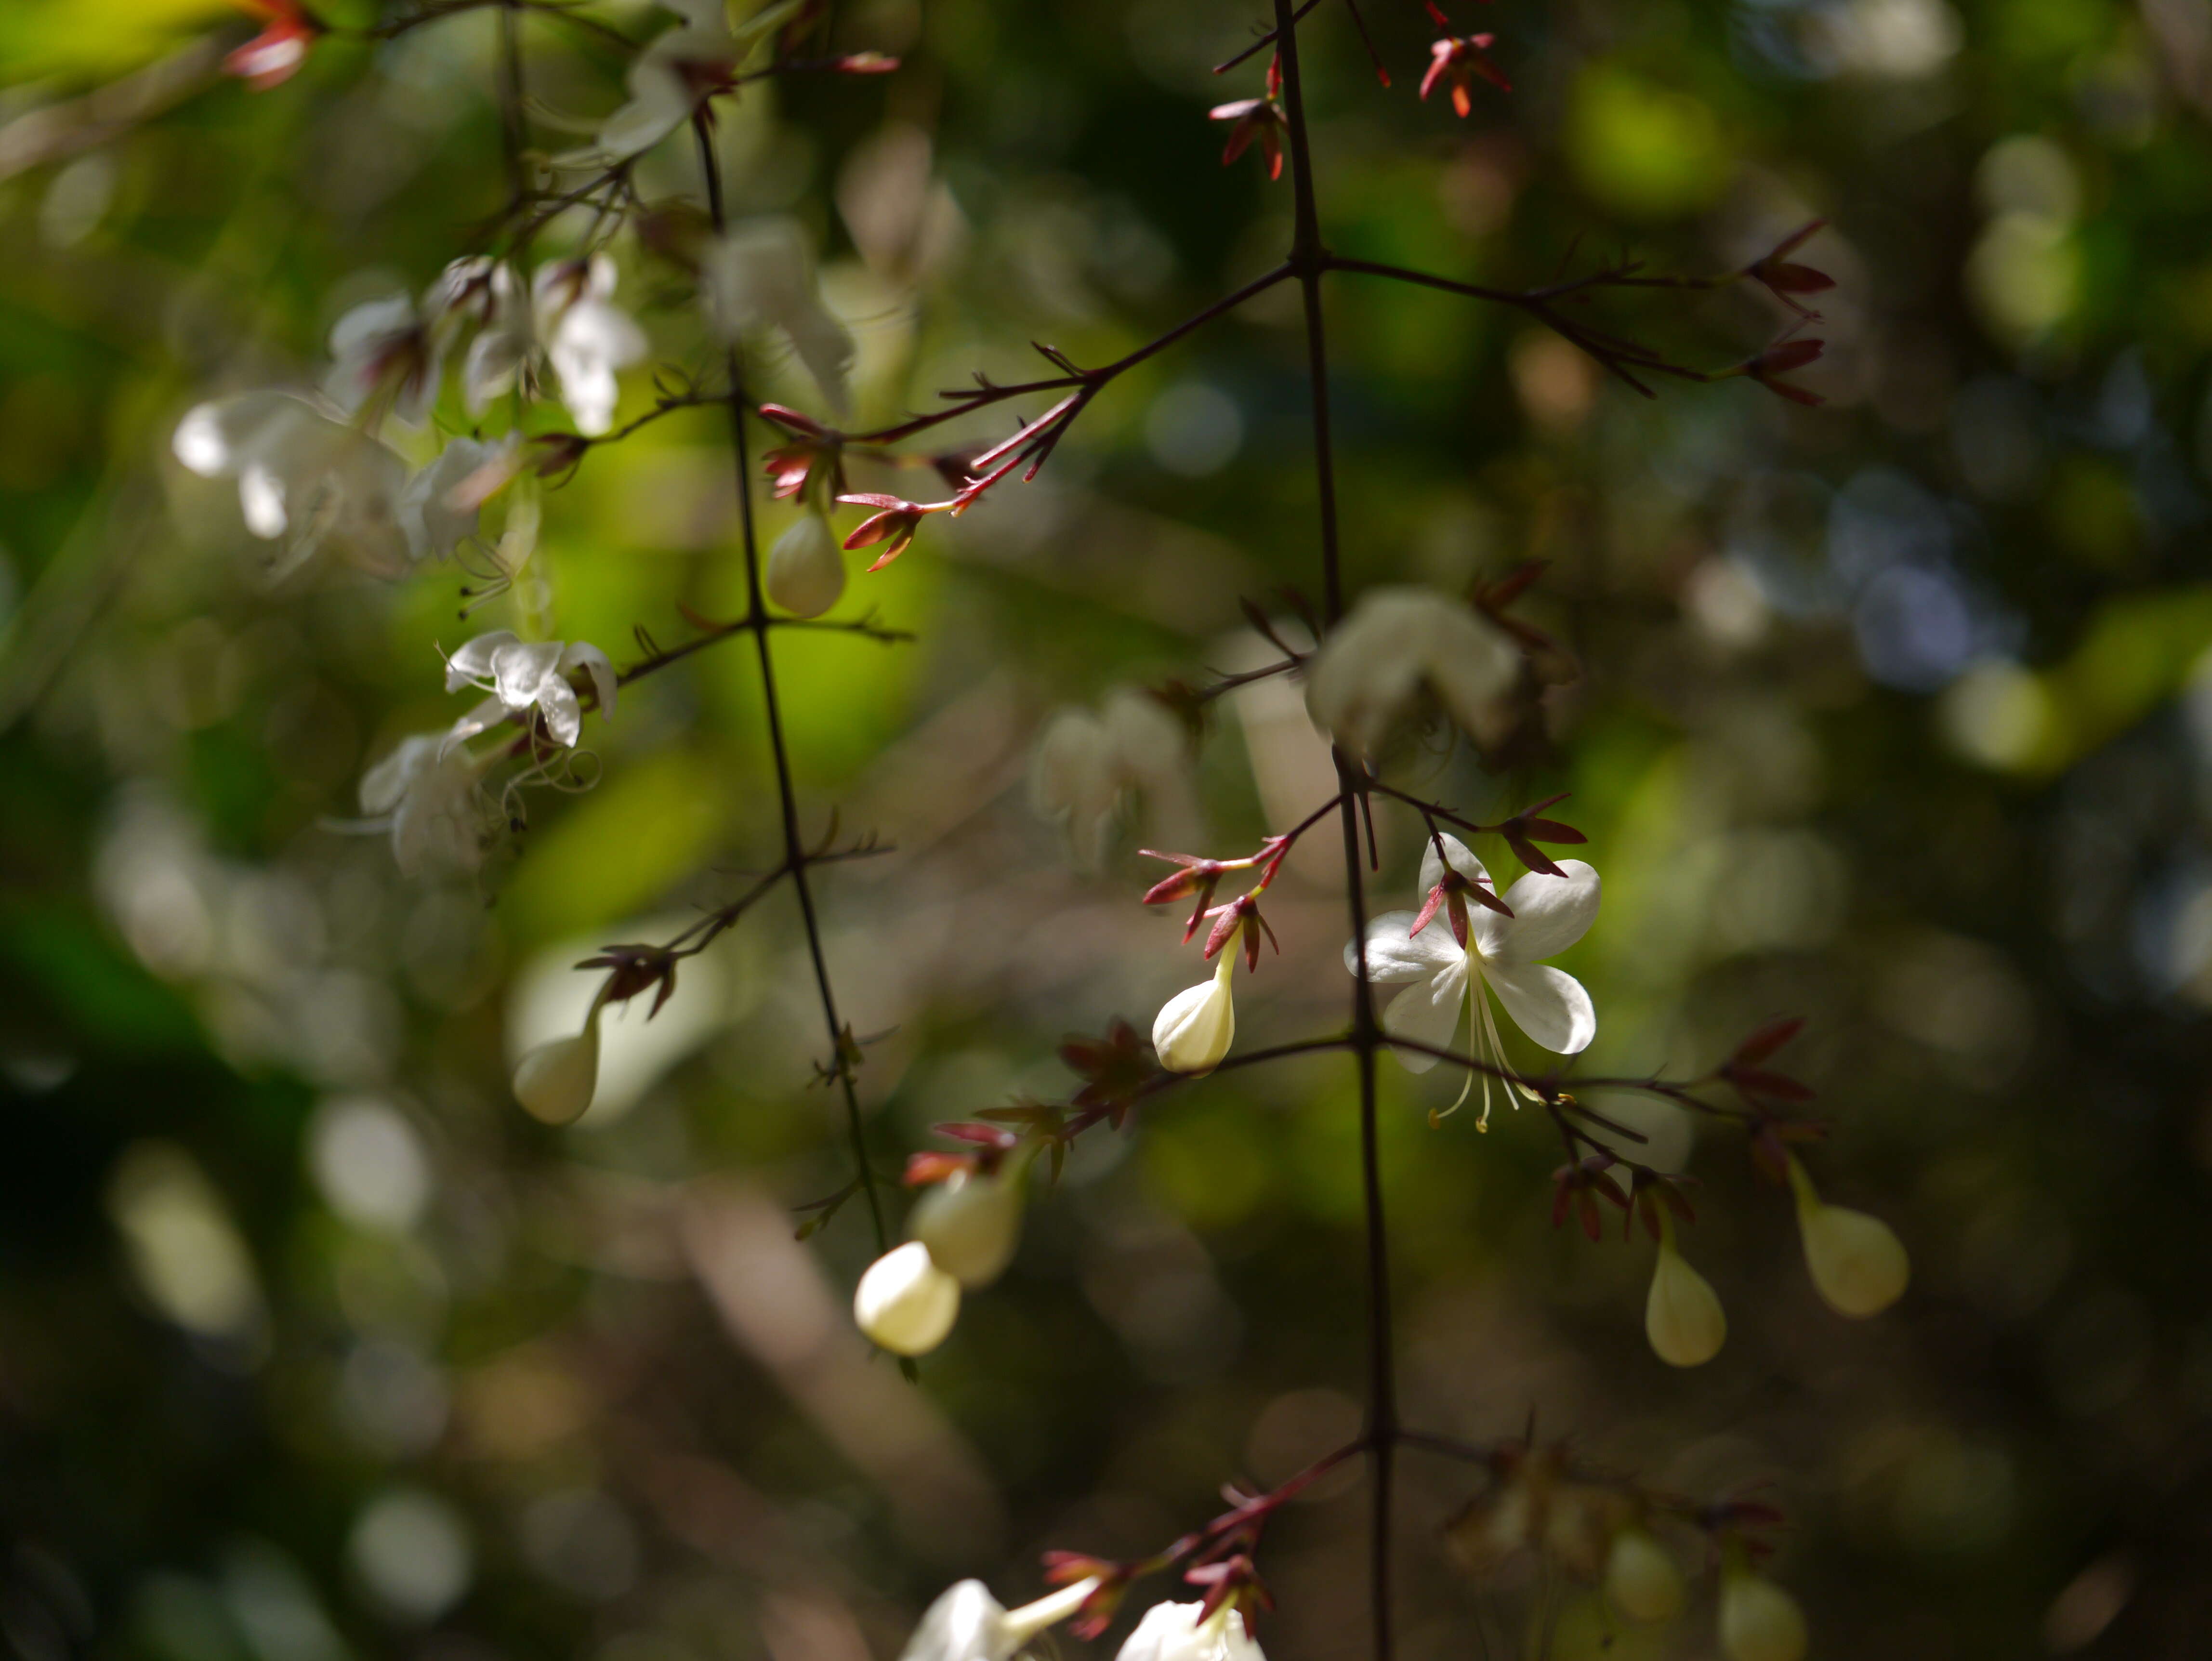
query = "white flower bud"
x=1859 y=1266
x=1682 y=1317
x=1396 y=640
x=905 y=1303
x=1194 y=1028
x=971 y=1224
x=554 y=1081
x=1641 y=1578
x=966 y=1623
x=1759 y=1621
x=805 y=571
x=1173 y=1632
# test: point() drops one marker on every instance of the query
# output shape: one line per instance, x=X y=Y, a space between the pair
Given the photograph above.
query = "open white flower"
x=428 y=793
x=1194 y=1028
x=760 y=275
x=384 y=353
x=1174 y=1632
x=305 y=479
x=1085 y=765
x=505 y=346
x=519 y=674
x=905 y=1303
x=966 y=1623
x=1550 y=914
x=587 y=337
x=1396 y=640
x=431 y=516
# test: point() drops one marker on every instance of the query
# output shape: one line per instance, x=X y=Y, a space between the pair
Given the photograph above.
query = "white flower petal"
x=1548 y=1004
x=473 y=661
x=1550 y=914
x=1462 y=861
x=1395 y=955
x=1427 y=1014
x=582 y=655
x=564 y=717
x=261 y=499
x=519 y=671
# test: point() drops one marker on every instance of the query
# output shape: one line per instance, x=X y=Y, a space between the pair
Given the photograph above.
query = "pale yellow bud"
x=1641 y=1578
x=805 y=570
x=971 y=1224
x=1682 y=1317
x=905 y=1303
x=1194 y=1028
x=1759 y=1621
x=554 y=1081
x=1859 y=1265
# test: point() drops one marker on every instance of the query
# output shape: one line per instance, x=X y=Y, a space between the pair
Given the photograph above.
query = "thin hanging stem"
x=1308 y=259
x=794 y=847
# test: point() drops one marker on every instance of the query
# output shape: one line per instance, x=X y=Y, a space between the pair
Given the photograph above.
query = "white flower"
x=1396 y=640
x=304 y=478
x=1858 y=1264
x=1194 y=1028
x=1682 y=1317
x=1173 y=1632
x=384 y=350
x=759 y=275
x=1759 y=1621
x=971 y=1224
x=555 y=1082
x=666 y=82
x=1550 y=914
x=586 y=337
x=505 y=347
x=520 y=674
x=429 y=516
x=429 y=793
x=966 y=1623
x=805 y=569
x=905 y=1303
x=1085 y=763
x=1641 y=1578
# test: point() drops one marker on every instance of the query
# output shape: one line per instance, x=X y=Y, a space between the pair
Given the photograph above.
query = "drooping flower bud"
x=1194 y=1028
x=554 y=1081
x=806 y=572
x=1175 y=1632
x=905 y=1303
x=971 y=1224
x=1859 y=1265
x=1759 y=1621
x=1682 y=1317
x=1641 y=1578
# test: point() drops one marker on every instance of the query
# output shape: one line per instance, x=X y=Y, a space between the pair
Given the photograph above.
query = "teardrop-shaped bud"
x=805 y=571
x=1641 y=1578
x=1194 y=1028
x=554 y=1081
x=1759 y=1621
x=905 y=1303
x=1859 y=1265
x=1682 y=1317
x=971 y=1224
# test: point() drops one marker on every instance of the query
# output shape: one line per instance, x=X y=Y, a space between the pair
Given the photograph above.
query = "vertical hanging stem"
x=1309 y=258
x=514 y=137
x=794 y=848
